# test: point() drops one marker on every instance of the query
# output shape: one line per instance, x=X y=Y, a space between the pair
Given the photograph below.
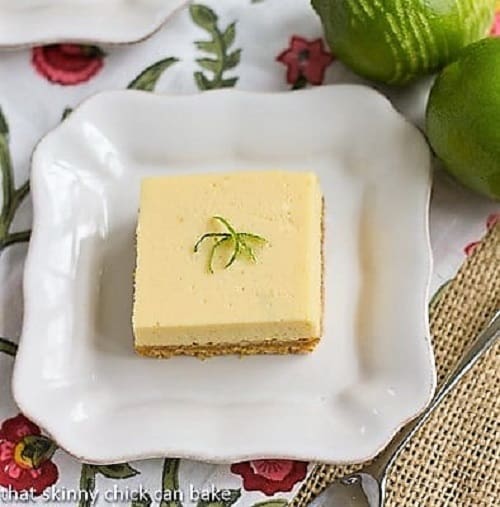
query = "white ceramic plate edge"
x=84 y=33
x=19 y=393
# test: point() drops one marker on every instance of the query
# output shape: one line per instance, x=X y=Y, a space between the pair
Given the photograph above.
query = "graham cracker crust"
x=280 y=347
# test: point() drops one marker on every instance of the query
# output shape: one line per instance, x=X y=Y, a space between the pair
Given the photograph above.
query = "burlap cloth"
x=453 y=460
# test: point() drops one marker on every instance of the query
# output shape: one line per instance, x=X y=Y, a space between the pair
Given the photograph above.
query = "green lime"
x=463 y=117
x=396 y=41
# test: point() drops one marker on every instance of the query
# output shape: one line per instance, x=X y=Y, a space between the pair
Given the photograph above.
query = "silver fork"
x=366 y=488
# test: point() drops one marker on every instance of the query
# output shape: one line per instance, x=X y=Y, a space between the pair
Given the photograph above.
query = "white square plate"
x=76 y=371
x=29 y=22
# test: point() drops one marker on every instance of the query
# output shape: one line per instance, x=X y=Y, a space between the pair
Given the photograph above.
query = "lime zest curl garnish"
x=239 y=241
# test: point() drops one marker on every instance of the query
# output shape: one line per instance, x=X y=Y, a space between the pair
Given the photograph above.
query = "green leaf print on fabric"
x=278 y=502
x=229 y=499
x=300 y=83
x=12 y=197
x=8 y=347
x=4 y=128
x=87 y=484
x=146 y=502
x=118 y=471
x=67 y=111
x=148 y=78
x=221 y=59
x=170 y=483
x=88 y=475
x=38 y=449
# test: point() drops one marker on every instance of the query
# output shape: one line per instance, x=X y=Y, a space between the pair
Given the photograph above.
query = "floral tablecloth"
x=253 y=45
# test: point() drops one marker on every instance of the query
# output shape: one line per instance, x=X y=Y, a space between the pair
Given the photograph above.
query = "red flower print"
x=491 y=221
x=25 y=456
x=306 y=61
x=270 y=475
x=469 y=249
x=67 y=64
x=495 y=29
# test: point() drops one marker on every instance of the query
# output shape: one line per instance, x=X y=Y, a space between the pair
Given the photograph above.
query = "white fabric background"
x=33 y=106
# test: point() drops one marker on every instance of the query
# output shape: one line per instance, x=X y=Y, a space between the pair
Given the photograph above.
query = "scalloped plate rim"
x=220 y=456
x=37 y=37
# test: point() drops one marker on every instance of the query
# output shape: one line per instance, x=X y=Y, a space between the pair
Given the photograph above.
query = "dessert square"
x=229 y=263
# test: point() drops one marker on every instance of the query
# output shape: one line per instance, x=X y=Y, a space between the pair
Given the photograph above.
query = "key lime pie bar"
x=229 y=263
